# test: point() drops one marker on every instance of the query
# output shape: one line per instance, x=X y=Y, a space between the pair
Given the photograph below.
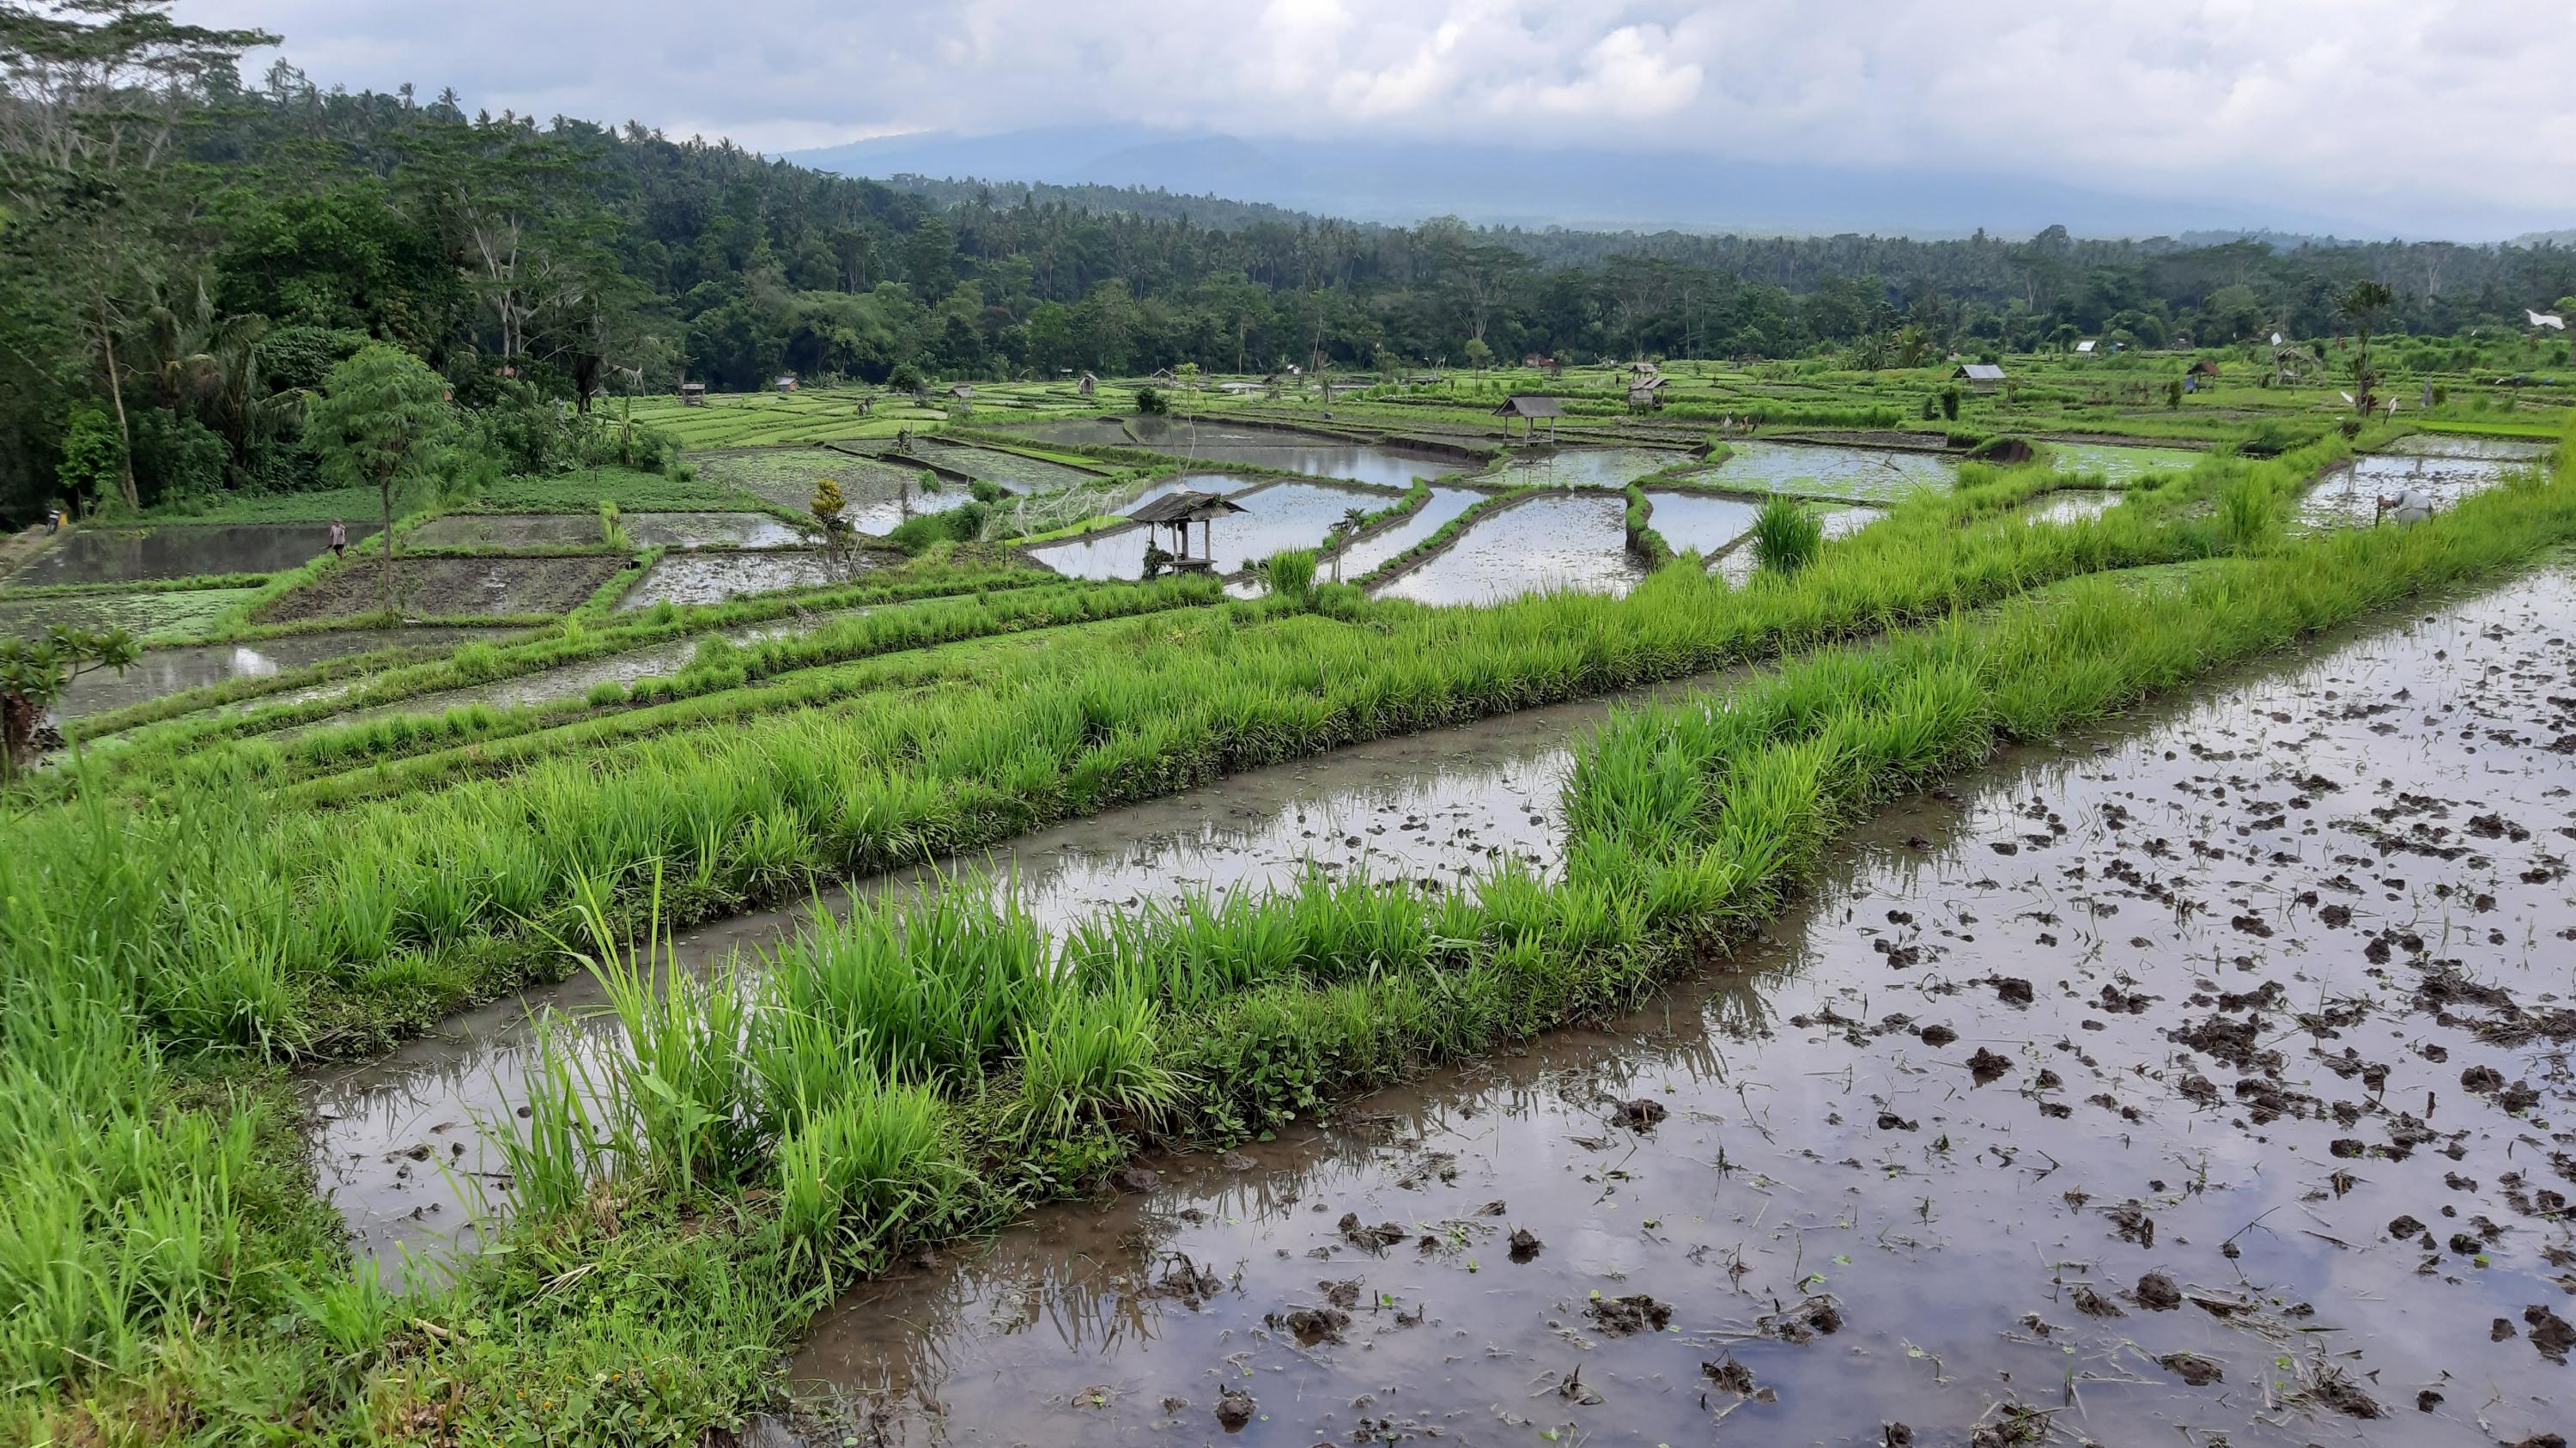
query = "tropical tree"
x=35 y=672
x=380 y=421
x=92 y=98
x=2363 y=304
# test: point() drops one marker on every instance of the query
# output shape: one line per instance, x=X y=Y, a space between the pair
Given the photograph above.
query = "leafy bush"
x=961 y=524
x=1291 y=576
x=1151 y=402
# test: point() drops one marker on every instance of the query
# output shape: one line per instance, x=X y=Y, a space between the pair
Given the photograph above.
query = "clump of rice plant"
x=1291 y=576
x=1093 y=1058
x=612 y=528
x=1786 y=537
x=2245 y=517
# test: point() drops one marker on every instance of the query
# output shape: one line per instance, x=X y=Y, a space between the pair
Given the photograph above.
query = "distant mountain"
x=1588 y=187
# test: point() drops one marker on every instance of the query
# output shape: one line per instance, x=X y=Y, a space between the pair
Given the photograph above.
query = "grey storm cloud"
x=2390 y=108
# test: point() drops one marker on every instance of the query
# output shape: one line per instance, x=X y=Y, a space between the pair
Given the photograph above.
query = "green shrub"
x=1291 y=576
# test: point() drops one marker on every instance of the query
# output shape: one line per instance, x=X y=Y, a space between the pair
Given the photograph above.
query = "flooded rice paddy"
x=1314 y=454
x=396 y=1142
x=1372 y=552
x=178 y=550
x=1074 y=432
x=2347 y=495
x=172 y=614
x=1008 y=469
x=649 y=530
x=2070 y=505
x=2120 y=466
x=1698 y=523
x=692 y=578
x=1574 y=541
x=2202 y=1079
x=880 y=492
x=171 y=671
x=1587 y=467
x=1874 y=474
x=2458 y=445
x=1276 y=516
x=1738 y=564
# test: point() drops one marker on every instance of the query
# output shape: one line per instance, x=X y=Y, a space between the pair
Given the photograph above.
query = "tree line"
x=189 y=254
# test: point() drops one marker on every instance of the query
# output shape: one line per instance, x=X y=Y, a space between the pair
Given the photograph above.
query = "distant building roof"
x=1238 y=387
x=2084 y=346
x=1185 y=508
x=961 y=390
x=1530 y=404
x=693 y=387
x=1980 y=372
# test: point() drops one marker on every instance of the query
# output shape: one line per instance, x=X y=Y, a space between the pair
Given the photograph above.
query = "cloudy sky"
x=2408 y=114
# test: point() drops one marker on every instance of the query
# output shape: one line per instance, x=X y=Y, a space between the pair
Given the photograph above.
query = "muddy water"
x=1077 y=432
x=2074 y=505
x=1576 y=542
x=2347 y=496
x=2458 y=445
x=714 y=577
x=1843 y=472
x=1696 y=522
x=2159 y=1055
x=1589 y=467
x=1315 y=454
x=649 y=530
x=1008 y=469
x=179 y=550
x=1369 y=553
x=1281 y=515
x=2120 y=466
x=396 y=1144
x=169 y=671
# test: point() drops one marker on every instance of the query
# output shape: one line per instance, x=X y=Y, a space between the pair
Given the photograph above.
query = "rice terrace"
x=661 y=796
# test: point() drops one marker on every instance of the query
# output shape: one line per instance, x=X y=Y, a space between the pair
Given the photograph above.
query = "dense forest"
x=187 y=255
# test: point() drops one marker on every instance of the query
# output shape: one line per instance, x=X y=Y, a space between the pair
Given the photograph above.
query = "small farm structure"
x=1983 y=376
x=1177 y=511
x=787 y=383
x=2084 y=348
x=693 y=394
x=1529 y=408
x=1646 y=394
x=1088 y=385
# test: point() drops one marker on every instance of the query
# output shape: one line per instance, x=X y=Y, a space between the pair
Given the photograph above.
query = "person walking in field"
x=339 y=539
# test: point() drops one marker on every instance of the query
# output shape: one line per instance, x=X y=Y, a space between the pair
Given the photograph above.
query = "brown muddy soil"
x=452 y=587
x=2201 y=1080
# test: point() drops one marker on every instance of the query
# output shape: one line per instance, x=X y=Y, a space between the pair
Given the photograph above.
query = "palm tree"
x=1352 y=521
x=206 y=365
x=2363 y=304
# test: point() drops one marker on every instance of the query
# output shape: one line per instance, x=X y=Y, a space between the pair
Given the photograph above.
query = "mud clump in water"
x=2094 y=1304
x=1234 y=1410
x=2156 y=1293
x=1344 y=1293
x=1377 y=1238
x=1311 y=1325
x=2549 y=1332
x=1986 y=1065
x=1525 y=1245
x=1731 y=1375
x=2012 y=990
x=1937 y=1036
x=1634 y=1313
x=1642 y=1113
x=2192 y=1368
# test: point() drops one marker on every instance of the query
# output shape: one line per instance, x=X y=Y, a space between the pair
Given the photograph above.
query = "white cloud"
x=2383 y=108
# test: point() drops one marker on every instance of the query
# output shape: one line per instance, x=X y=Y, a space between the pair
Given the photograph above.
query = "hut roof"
x=1529 y=404
x=2084 y=346
x=1980 y=372
x=1185 y=508
x=961 y=390
x=693 y=387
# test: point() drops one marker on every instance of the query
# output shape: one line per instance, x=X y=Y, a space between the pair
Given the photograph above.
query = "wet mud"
x=1314 y=454
x=451 y=587
x=695 y=578
x=2347 y=496
x=2120 y=466
x=1588 y=467
x=2201 y=1079
x=169 y=671
x=1275 y=516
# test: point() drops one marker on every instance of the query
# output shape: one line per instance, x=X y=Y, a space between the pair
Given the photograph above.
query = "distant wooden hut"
x=1983 y=376
x=2084 y=348
x=1646 y=394
x=787 y=382
x=962 y=392
x=1177 y=511
x=1530 y=407
x=1088 y=385
x=693 y=394
x=2201 y=368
